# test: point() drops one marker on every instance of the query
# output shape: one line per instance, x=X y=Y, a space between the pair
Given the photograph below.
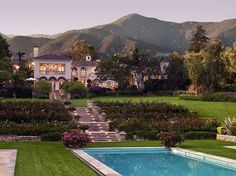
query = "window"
x=61 y=68
x=83 y=72
x=43 y=69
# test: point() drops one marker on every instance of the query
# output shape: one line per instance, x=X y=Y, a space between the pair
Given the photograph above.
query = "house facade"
x=58 y=69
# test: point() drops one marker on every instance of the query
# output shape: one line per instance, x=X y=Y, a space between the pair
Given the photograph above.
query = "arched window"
x=61 y=68
x=83 y=72
x=43 y=69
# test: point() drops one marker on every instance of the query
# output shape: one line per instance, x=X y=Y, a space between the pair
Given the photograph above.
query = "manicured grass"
x=46 y=159
x=205 y=109
x=51 y=159
x=79 y=102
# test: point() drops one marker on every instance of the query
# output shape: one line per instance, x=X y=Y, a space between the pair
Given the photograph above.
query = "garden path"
x=7 y=162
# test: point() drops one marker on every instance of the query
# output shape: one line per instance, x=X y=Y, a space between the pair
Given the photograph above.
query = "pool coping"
x=96 y=165
x=212 y=159
x=104 y=170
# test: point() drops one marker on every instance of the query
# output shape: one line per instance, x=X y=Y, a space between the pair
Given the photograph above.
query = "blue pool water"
x=155 y=162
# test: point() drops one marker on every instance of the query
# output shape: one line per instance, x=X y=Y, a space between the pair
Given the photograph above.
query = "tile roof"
x=85 y=63
x=53 y=57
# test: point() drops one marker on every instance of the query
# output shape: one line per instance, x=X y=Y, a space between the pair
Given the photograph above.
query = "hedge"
x=32 y=110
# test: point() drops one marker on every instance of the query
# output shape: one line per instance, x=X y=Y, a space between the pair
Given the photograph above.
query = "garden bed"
x=43 y=118
x=147 y=119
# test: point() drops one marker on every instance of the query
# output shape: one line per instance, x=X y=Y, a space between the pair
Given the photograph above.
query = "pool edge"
x=93 y=163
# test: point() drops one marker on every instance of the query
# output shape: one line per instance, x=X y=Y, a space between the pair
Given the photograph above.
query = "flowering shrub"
x=170 y=139
x=75 y=139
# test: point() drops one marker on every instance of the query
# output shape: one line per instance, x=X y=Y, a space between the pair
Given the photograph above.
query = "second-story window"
x=43 y=69
x=83 y=72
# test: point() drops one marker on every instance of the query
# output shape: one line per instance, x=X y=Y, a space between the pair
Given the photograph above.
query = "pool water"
x=156 y=162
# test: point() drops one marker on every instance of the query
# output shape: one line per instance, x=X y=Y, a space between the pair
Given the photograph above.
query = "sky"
x=24 y=17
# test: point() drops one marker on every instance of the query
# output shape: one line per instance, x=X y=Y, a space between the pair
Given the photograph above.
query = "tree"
x=80 y=49
x=5 y=78
x=75 y=88
x=196 y=72
x=41 y=89
x=4 y=48
x=199 y=40
x=230 y=54
x=20 y=55
x=215 y=65
x=177 y=73
x=207 y=69
x=114 y=69
x=141 y=66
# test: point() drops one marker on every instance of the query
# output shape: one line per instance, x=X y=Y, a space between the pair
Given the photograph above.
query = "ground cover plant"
x=33 y=117
x=147 y=119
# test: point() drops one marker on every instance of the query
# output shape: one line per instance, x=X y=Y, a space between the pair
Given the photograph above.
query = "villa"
x=58 y=69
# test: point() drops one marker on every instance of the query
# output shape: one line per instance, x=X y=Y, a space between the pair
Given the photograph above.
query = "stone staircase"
x=57 y=95
x=98 y=130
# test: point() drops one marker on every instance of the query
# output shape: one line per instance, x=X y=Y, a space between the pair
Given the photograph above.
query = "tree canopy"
x=4 y=48
x=80 y=49
x=199 y=40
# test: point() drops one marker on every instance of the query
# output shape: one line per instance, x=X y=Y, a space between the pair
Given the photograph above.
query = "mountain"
x=26 y=44
x=149 y=34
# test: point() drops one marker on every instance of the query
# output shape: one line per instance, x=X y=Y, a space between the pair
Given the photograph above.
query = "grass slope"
x=205 y=109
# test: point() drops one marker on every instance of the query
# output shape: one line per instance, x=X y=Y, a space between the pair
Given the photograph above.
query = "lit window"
x=83 y=72
x=61 y=68
x=43 y=69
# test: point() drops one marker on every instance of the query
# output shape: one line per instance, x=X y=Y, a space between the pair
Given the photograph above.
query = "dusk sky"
x=54 y=16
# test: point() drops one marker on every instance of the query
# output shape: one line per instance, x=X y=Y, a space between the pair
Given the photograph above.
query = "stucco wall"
x=37 y=63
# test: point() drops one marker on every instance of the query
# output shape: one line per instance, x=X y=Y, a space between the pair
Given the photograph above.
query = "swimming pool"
x=159 y=162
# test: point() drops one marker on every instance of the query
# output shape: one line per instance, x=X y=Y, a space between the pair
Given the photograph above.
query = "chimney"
x=88 y=58
x=36 y=51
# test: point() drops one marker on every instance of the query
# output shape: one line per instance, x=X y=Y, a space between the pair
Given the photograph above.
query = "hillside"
x=151 y=35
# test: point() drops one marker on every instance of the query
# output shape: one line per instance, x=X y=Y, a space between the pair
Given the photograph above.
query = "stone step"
x=103 y=136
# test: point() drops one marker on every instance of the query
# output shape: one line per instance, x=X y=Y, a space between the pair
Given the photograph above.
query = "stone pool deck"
x=7 y=162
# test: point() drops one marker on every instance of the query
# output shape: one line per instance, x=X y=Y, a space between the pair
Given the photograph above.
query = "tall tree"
x=80 y=49
x=207 y=69
x=230 y=54
x=196 y=72
x=113 y=69
x=199 y=40
x=177 y=73
x=4 y=48
x=215 y=65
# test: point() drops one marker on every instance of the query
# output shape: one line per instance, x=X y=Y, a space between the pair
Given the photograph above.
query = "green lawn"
x=46 y=159
x=205 y=109
x=79 y=102
x=51 y=159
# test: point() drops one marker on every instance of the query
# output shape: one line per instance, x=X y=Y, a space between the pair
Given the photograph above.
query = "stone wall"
x=19 y=138
x=226 y=138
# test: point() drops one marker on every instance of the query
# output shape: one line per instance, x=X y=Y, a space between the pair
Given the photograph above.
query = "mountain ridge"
x=151 y=35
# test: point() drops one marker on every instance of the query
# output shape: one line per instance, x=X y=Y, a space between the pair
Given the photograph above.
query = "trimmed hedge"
x=200 y=135
x=34 y=117
x=217 y=97
x=32 y=110
x=147 y=119
x=28 y=129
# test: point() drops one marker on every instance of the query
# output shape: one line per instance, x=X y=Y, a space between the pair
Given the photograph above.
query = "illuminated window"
x=83 y=72
x=61 y=68
x=43 y=69
x=52 y=69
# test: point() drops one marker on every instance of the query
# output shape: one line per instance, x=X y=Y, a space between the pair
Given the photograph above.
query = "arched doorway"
x=54 y=82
